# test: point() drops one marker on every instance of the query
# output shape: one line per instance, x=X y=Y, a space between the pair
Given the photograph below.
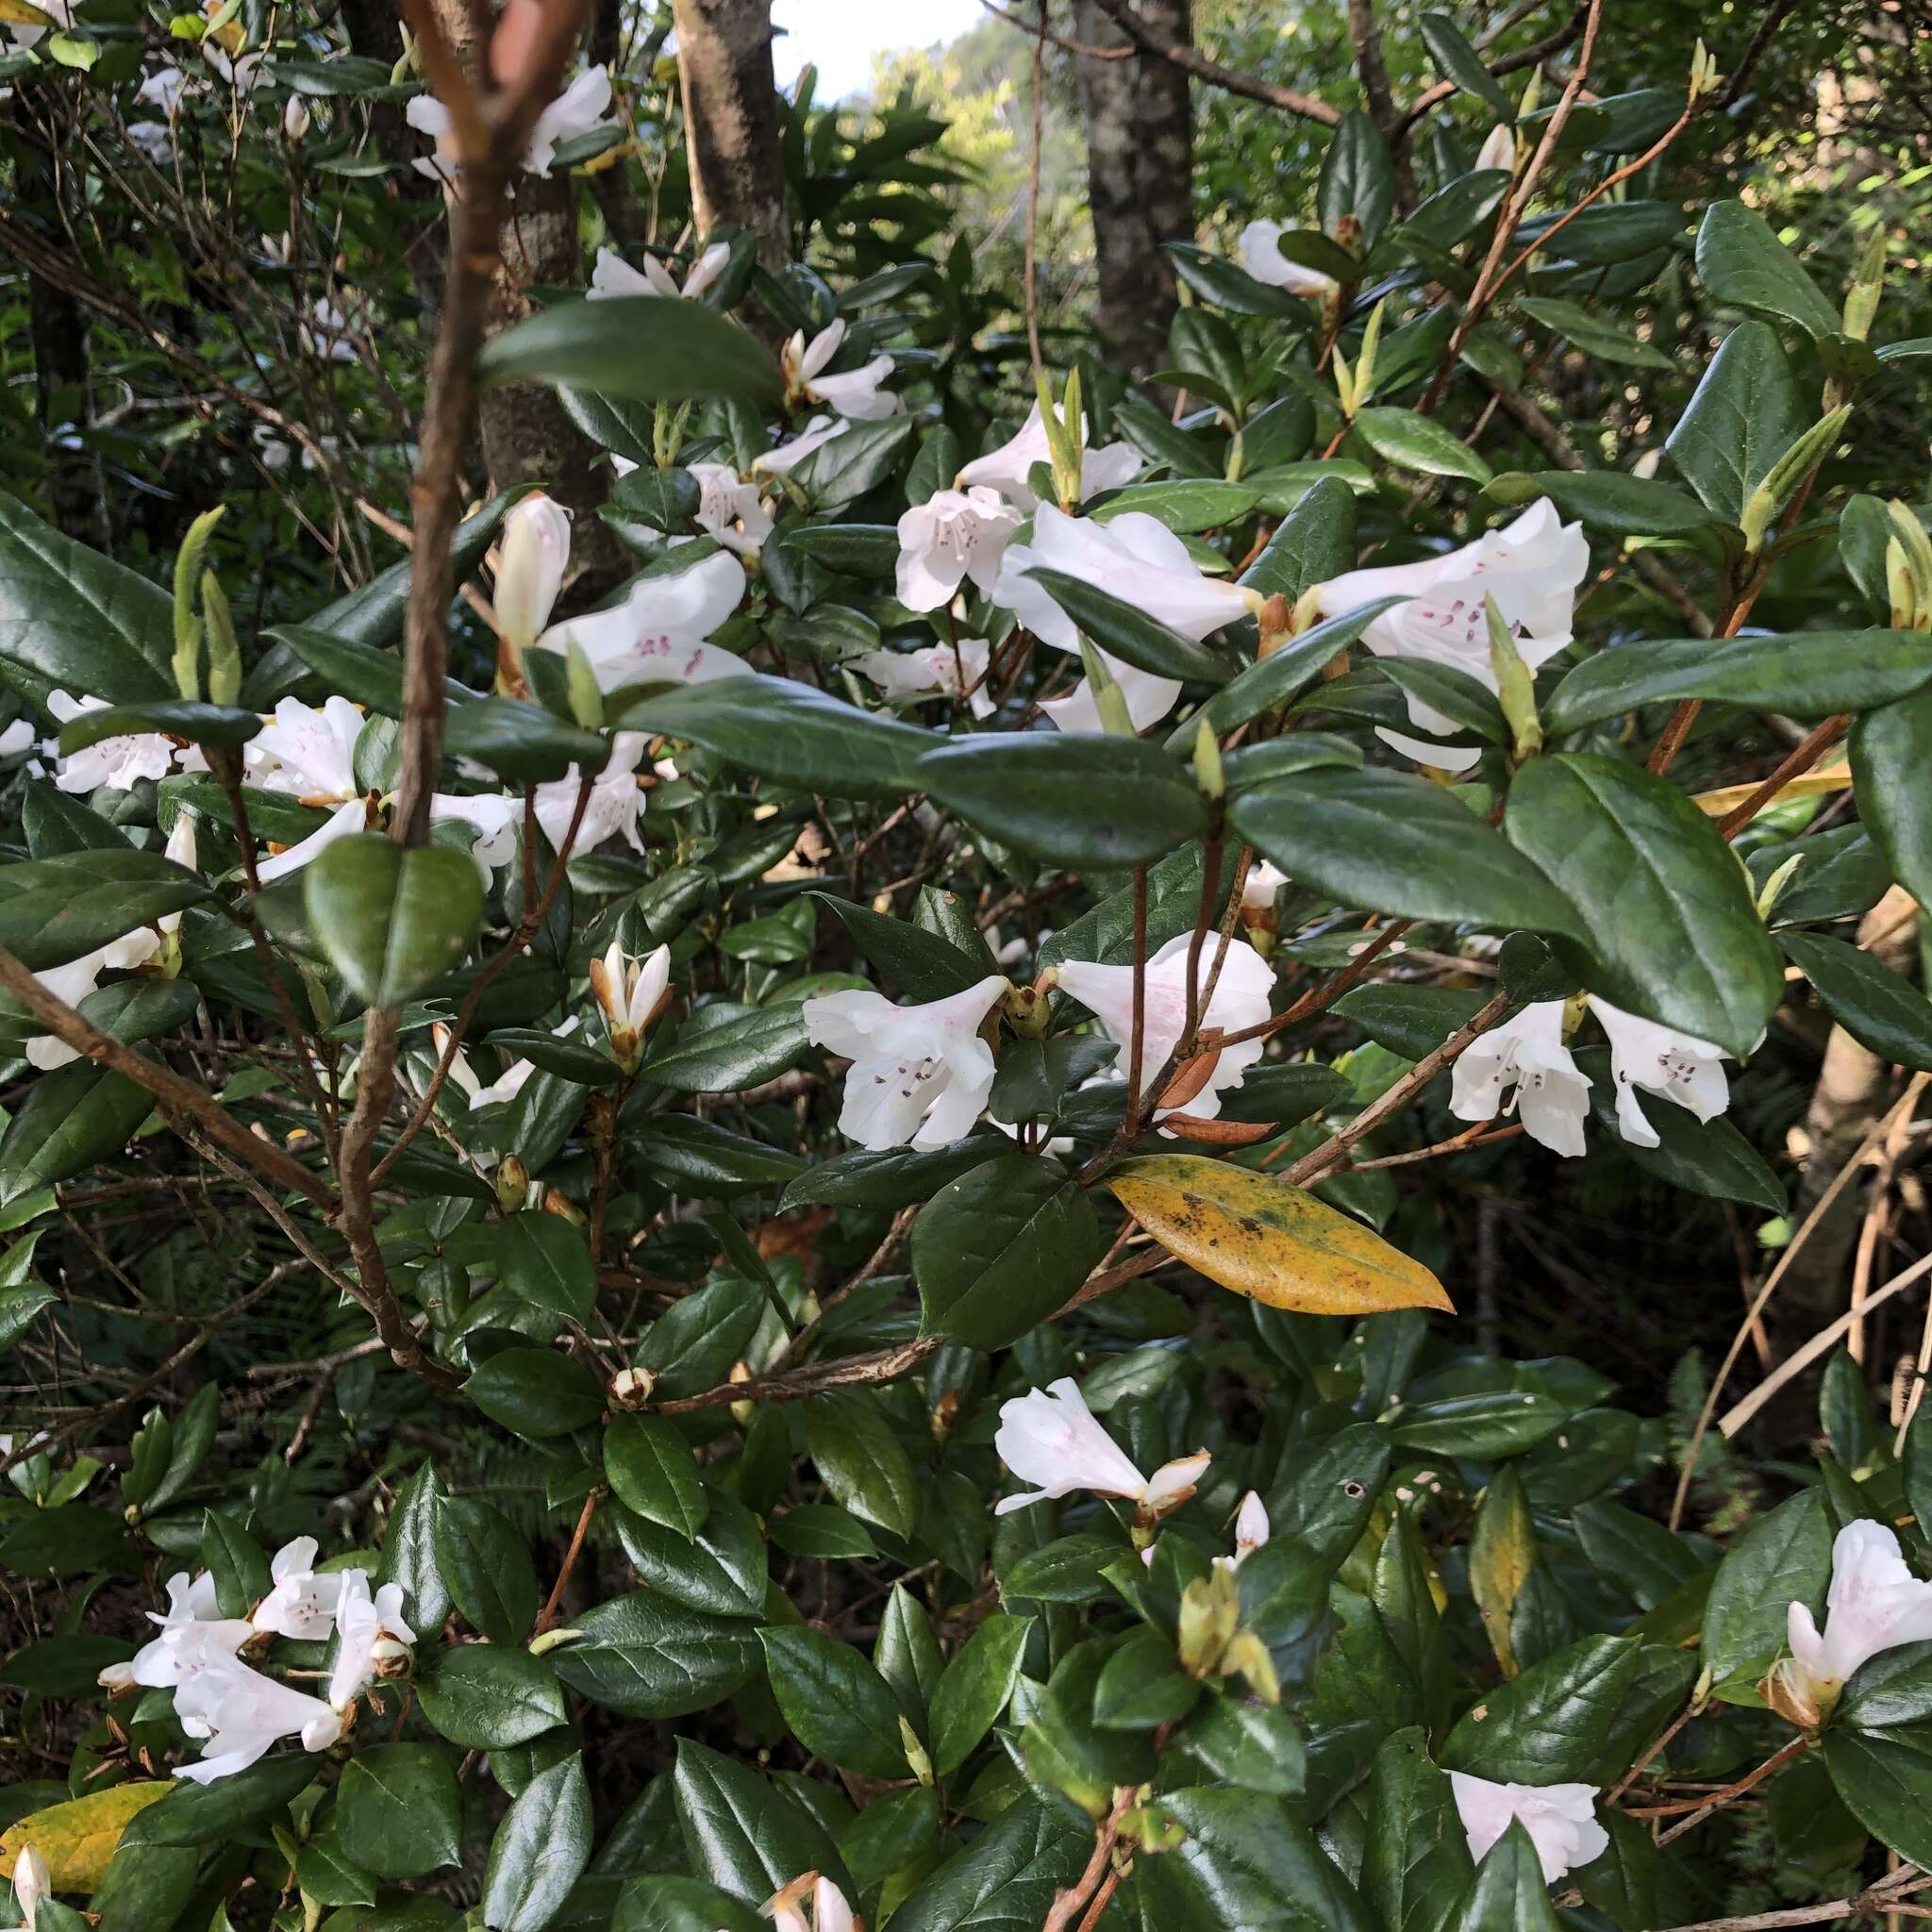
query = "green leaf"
x=710 y=1159
x=485 y=1567
x=543 y=1261
x=1245 y=1744
x=523 y=744
x=848 y=1437
x=71 y=1118
x=650 y=351
x=1392 y=843
x=682 y=1904
x=53 y=910
x=399 y=1810
x=1458 y=62
x=393 y=920
x=1555 y=1722
x=822 y=1529
x=1006 y=1879
x=205 y=1814
x=536 y=1392
x=1606 y=500
x=1667 y=906
x=1746 y=414
x=1416 y=1864
x=1881 y=1012
x=894 y=1178
x=1278 y=677
x=1079 y=799
x=1593 y=336
x=745 y=1833
x=975 y=1688
x=652 y=1471
x=1412 y=1021
x=569 y=1060
x=1127 y=632
x=1420 y=443
x=1785 y=1556
x=1358 y=182
x=1463 y=699
x=354 y=668
x=1810 y=673
x=744 y=1050
x=408 y=1550
x=543 y=1843
x=1508 y=1892
x=646 y=1657
x=1741 y=262
x=999 y=1249
x=1227 y=285
x=1486 y=1427
x=721 y=1571
x=1315 y=542
x=1891 y=752
x=73 y=619
x=489 y=1696
x=235 y=1562
x=836 y=1705
x=200 y=724
x=789 y=733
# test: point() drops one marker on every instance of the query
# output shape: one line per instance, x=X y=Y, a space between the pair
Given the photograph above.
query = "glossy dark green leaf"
x=1392 y=843
x=747 y=1049
x=645 y=1656
x=1742 y=264
x=546 y=1261
x=393 y=920
x=523 y=743
x=894 y=1178
x=1000 y=1249
x=485 y=1567
x=541 y=1846
x=1416 y=1864
x=1355 y=194
x=536 y=1392
x=743 y=1832
x=721 y=1571
x=975 y=1688
x=1784 y=1557
x=836 y=1705
x=790 y=734
x=1227 y=285
x=399 y=1810
x=1746 y=414
x=1608 y=500
x=849 y=1438
x=55 y=909
x=194 y=1814
x=1596 y=337
x=1488 y=1425
x=1508 y=1892
x=570 y=1059
x=1413 y=442
x=200 y=724
x=1079 y=799
x=1410 y=1019
x=1127 y=632
x=1667 y=907
x=710 y=1159
x=489 y=1696
x=650 y=351
x=1891 y=752
x=652 y=1471
x=1881 y=1012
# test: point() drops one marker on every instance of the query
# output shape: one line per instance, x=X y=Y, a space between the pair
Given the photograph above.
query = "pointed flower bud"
x=532 y=553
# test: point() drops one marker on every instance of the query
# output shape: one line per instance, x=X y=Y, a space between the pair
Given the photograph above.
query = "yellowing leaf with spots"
x=23 y=13
x=78 y=1837
x=1266 y=1239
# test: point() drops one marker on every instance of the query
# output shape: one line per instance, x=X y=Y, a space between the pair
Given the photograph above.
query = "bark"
x=1139 y=179
x=731 y=120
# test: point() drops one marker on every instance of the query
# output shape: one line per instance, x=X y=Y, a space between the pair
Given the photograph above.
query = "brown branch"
x=1799 y=762
x=167 y=1086
x=1192 y=61
x=555 y=1601
x=1069 y=1899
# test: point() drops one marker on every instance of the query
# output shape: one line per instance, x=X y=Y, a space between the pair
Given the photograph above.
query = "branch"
x=167 y=1086
x=1192 y=61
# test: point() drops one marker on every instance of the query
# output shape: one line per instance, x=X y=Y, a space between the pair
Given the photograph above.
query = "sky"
x=839 y=37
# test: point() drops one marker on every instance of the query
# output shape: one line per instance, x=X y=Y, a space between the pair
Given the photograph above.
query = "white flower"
x=855 y=394
x=1258 y=888
x=532 y=554
x=730 y=510
x=578 y=109
x=1250 y=1531
x=507 y=1085
x=614 y=276
x=631 y=991
x=1647 y=464
x=490 y=815
x=1527 y=1052
x=1240 y=1001
x=369 y=1633
x=657 y=634
x=1135 y=558
x=327 y=333
x=1661 y=1061
x=953 y=534
x=1874 y=1604
x=245 y=73
x=181 y=848
x=829 y=1910
x=307 y=752
x=239 y=1714
x=1009 y=468
x=194 y=1634
x=302 y=1605
x=32 y=1882
x=1559 y=1819
x=295 y=118
x=20 y=736
x=1260 y=253
x=118 y=763
x=153 y=140
x=815 y=435
x=1498 y=149
x=1532 y=569
x=72 y=982
x=1049 y=1437
x=918 y=1073
x=163 y=89
x=342 y=823
x=615 y=803
x=951 y=669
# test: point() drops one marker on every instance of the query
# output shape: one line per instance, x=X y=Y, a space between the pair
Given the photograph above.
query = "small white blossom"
x=32 y=1882
x=1009 y=468
x=163 y=90
x=615 y=803
x=1874 y=1604
x=730 y=511
x=507 y=1085
x=18 y=737
x=239 y=1714
x=1133 y=557
x=1532 y=568
x=532 y=555
x=1559 y=1819
x=578 y=109
x=919 y=1074
x=1661 y=1061
x=829 y=1910
x=954 y=535
x=302 y=1604
x=153 y=140
x=116 y=763
x=854 y=393
x=1260 y=253
x=949 y=670
x=327 y=333
x=194 y=1634
x=1525 y=1052
x=370 y=1632
x=631 y=991
x=614 y=276
x=1050 y=1436
x=1250 y=1531
x=295 y=118
x=1264 y=881
x=1498 y=149
x=657 y=634
x=307 y=752
x=819 y=431
x=1240 y=1001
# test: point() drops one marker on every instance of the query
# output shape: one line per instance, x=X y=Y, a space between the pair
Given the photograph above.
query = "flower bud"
x=32 y=1881
x=916 y=1755
x=512 y=1184
x=1026 y=1012
x=295 y=118
x=531 y=553
x=1790 y=1691
x=630 y=1388
x=1211 y=1610
x=560 y=1203
x=390 y=1657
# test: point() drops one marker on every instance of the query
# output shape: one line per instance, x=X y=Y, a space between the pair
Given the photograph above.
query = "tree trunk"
x=731 y=120
x=1140 y=180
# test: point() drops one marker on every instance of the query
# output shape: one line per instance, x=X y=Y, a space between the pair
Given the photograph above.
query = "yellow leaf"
x=1502 y=1553
x=23 y=14
x=1727 y=799
x=78 y=1837
x=1269 y=1241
